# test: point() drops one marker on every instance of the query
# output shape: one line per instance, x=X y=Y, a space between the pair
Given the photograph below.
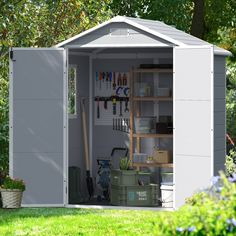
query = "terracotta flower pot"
x=11 y=198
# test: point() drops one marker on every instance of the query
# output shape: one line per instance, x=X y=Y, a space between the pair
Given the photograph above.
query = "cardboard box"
x=162 y=156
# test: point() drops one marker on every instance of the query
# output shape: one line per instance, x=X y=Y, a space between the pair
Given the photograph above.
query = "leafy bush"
x=210 y=212
x=10 y=183
x=230 y=166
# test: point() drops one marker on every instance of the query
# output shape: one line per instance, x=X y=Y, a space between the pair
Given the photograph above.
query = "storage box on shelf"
x=162 y=156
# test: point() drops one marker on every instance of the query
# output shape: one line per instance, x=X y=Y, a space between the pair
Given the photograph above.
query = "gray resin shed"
x=45 y=140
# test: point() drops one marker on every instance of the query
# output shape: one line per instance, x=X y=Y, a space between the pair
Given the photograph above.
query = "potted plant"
x=126 y=175
x=11 y=192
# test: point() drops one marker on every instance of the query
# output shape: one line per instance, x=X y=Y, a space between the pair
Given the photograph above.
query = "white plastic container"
x=167 y=195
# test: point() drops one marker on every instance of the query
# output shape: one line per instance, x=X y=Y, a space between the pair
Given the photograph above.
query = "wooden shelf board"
x=152 y=98
x=157 y=70
x=168 y=165
x=153 y=135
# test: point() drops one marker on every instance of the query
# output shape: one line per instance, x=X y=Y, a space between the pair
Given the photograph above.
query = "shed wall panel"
x=219 y=113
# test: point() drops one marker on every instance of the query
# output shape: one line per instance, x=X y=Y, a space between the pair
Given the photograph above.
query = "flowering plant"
x=10 y=183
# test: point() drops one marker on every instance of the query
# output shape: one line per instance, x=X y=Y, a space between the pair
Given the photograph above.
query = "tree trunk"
x=198 y=25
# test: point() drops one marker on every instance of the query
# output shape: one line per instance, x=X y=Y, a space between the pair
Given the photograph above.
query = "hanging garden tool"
x=110 y=78
x=107 y=79
x=126 y=104
x=114 y=105
x=89 y=179
x=105 y=103
x=98 y=108
x=100 y=79
x=124 y=80
x=97 y=79
x=114 y=81
x=121 y=108
x=119 y=80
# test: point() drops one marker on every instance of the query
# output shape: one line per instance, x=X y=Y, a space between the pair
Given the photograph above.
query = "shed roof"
x=153 y=27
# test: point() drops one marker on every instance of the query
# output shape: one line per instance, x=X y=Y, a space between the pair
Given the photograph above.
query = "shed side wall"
x=219 y=113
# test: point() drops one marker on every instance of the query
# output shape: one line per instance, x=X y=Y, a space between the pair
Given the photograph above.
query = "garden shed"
x=127 y=71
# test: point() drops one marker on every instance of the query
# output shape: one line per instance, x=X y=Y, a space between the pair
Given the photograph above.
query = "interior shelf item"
x=142 y=89
x=162 y=156
x=145 y=125
x=140 y=157
x=162 y=92
x=165 y=125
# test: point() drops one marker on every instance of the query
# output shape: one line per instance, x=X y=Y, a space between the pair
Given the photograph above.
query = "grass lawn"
x=62 y=221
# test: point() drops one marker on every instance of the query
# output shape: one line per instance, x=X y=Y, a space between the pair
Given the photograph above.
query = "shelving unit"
x=135 y=112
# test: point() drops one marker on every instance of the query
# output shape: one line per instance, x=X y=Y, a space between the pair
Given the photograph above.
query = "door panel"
x=38 y=123
x=193 y=120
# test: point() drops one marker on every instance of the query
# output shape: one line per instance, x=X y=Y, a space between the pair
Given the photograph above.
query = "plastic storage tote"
x=146 y=195
x=124 y=177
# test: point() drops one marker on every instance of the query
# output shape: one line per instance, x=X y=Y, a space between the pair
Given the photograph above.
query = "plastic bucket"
x=167 y=195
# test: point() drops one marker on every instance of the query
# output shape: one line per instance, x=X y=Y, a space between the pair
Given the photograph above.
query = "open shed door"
x=38 y=117
x=193 y=120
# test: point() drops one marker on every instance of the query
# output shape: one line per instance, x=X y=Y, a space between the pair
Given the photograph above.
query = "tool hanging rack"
x=121 y=124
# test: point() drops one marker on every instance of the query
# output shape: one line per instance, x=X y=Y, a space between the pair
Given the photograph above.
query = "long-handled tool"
x=89 y=179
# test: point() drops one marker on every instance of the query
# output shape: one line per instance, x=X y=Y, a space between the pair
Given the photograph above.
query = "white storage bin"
x=167 y=195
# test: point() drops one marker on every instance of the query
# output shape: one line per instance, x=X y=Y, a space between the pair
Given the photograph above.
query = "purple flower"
x=215 y=179
x=191 y=229
x=232 y=179
x=179 y=229
x=233 y=221
x=219 y=189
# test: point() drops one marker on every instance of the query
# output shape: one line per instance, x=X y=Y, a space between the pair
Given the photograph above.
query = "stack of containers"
x=126 y=191
x=167 y=189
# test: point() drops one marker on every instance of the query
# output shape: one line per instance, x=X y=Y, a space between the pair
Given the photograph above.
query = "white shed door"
x=38 y=123
x=193 y=120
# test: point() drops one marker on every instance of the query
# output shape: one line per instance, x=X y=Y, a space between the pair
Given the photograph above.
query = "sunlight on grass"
x=60 y=221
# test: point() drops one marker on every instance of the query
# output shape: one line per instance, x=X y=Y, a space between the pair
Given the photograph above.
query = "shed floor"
x=119 y=207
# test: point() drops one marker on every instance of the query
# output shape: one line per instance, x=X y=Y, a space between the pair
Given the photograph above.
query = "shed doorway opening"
x=128 y=96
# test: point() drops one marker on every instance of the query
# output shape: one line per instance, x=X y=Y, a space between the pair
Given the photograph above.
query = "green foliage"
x=231 y=100
x=211 y=212
x=125 y=163
x=10 y=183
x=230 y=166
x=39 y=23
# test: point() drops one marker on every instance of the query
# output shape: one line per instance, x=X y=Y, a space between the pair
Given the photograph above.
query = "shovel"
x=89 y=179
